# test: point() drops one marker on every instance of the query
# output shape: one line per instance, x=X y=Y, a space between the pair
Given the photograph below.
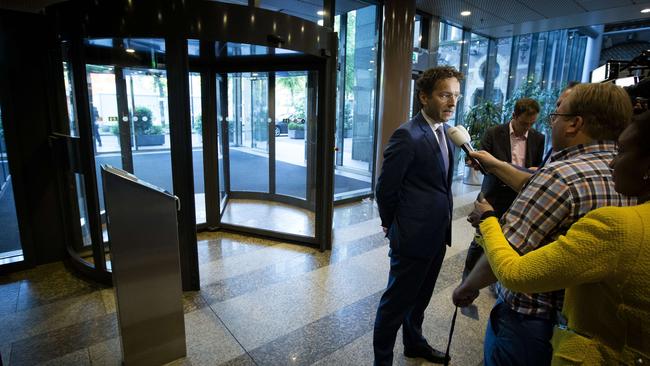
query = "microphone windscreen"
x=462 y=128
x=457 y=136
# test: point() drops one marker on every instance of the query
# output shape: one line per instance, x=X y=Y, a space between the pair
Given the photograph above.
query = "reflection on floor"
x=261 y=303
x=268 y=215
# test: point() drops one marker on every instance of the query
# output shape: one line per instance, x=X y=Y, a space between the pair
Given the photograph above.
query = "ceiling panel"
x=511 y=11
x=486 y=13
x=592 y=5
x=553 y=8
x=501 y=18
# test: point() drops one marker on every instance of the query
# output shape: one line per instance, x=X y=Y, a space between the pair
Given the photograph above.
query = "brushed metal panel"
x=143 y=236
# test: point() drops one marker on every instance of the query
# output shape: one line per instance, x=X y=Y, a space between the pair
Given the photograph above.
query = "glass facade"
x=536 y=65
x=356 y=101
x=450 y=45
x=502 y=65
x=476 y=72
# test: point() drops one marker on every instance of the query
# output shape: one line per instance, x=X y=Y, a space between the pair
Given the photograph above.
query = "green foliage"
x=350 y=50
x=349 y=118
x=143 y=125
x=142 y=122
x=299 y=111
x=296 y=126
x=154 y=130
x=198 y=124
x=479 y=118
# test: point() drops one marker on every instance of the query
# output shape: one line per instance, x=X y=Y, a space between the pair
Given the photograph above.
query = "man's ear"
x=422 y=98
x=576 y=125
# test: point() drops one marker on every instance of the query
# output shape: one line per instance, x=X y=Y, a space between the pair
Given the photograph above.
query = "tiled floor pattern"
x=261 y=303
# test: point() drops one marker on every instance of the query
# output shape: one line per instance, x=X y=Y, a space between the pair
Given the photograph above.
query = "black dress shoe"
x=427 y=352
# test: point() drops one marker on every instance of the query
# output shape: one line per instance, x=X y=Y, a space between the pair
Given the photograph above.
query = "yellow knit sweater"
x=603 y=262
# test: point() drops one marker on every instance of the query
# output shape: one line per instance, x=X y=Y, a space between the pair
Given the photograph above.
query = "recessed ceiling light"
x=321 y=12
x=130 y=50
x=646 y=10
x=466 y=13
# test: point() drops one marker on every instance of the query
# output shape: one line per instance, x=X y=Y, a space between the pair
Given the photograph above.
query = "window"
x=451 y=43
x=477 y=67
x=356 y=102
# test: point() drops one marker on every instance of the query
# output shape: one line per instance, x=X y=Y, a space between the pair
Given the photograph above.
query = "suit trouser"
x=410 y=285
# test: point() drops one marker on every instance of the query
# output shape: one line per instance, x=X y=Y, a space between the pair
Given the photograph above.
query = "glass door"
x=269 y=151
x=248 y=116
x=130 y=125
x=291 y=146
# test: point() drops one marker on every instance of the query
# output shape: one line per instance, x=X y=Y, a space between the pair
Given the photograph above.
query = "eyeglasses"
x=447 y=96
x=553 y=116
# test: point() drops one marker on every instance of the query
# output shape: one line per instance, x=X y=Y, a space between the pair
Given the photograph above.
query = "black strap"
x=451 y=333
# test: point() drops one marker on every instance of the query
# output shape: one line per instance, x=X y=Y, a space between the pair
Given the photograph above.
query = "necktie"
x=442 y=142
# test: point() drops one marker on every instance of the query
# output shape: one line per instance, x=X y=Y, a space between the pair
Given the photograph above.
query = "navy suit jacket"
x=414 y=193
x=496 y=141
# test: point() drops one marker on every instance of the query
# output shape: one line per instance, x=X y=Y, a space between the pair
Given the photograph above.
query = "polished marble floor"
x=268 y=215
x=261 y=303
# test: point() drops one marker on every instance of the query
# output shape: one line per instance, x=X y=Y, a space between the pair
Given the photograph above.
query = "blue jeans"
x=513 y=339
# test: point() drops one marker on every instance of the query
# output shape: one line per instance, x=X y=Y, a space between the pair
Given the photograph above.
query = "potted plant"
x=296 y=129
x=478 y=119
x=146 y=134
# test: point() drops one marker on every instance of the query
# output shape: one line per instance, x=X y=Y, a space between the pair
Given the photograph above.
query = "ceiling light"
x=130 y=50
x=466 y=13
x=646 y=10
x=321 y=12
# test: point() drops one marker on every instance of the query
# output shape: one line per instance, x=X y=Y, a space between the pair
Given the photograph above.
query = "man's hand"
x=486 y=159
x=480 y=207
x=464 y=296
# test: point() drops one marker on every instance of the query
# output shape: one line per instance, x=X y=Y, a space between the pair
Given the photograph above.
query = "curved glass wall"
x=250 y=124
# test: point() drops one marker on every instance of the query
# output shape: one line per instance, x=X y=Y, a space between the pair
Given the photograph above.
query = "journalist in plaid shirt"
x=576 y=180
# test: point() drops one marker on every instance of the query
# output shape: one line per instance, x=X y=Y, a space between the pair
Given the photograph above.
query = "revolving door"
x=228 y=107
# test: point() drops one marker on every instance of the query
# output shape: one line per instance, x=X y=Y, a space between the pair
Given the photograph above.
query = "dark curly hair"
x=427 y=81
x=642 y=124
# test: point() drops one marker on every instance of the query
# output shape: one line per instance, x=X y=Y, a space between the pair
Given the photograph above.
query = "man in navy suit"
x=415 y=205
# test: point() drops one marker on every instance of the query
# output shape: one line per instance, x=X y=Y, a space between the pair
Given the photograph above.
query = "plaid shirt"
x=575 y=181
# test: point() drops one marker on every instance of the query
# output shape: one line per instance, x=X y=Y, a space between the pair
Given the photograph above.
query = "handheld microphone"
x=460 y=137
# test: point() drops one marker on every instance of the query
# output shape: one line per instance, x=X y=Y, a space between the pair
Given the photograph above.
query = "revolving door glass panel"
x=271 y=124
x=127 y=96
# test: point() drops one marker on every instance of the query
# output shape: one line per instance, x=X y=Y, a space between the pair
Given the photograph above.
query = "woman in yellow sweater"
x=603 y=262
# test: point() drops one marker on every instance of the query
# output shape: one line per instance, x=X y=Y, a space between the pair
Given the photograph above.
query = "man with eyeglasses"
x=576 y=180
x=414 y=198
x=515 y=142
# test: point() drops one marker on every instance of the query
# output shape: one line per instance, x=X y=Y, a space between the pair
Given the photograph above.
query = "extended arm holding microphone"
x=509 y=174
x=460 y=137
